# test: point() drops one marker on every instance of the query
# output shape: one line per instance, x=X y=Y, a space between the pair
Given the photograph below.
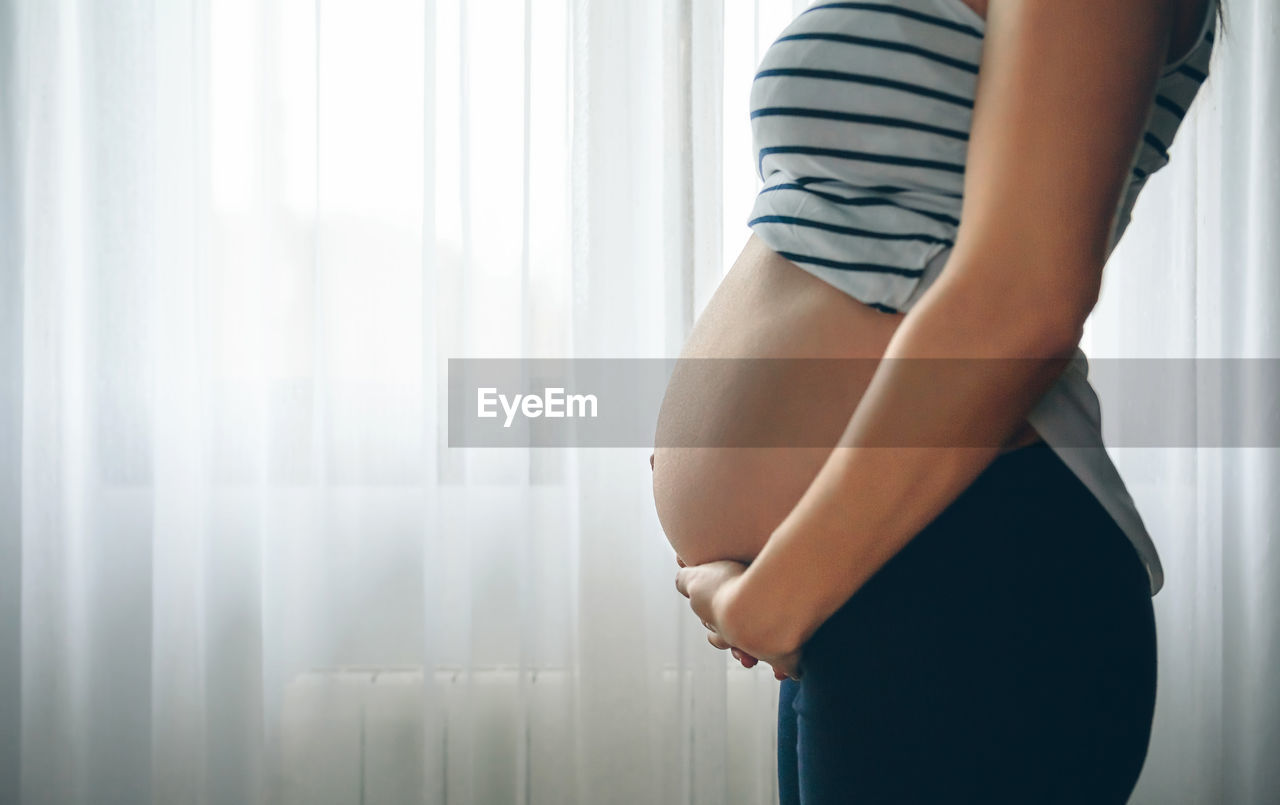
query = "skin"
x=772 y=541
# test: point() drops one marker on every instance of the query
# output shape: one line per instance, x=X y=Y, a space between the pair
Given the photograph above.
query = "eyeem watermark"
x=807 y=402
x=553 y=403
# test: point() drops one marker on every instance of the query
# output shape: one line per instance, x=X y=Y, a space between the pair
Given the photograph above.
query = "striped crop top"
x=860 y=116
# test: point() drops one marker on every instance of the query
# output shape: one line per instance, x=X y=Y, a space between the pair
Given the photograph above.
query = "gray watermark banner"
x=799 y=402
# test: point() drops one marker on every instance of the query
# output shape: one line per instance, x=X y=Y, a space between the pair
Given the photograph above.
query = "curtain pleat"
x=1194 y=282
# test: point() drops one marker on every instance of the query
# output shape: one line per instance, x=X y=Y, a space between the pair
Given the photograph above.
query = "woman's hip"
x=1010 y=644
x=1022 y=587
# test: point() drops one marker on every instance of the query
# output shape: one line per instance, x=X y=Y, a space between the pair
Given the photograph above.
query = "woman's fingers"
x=682 y=581
x=738 y=654
x=787 y=666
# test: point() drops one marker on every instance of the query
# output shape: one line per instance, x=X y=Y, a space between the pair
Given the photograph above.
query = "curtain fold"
x=240 y=561
x=1195 y=279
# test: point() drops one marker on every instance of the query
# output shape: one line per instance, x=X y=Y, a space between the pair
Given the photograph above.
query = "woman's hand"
x=707 y=586
x=714 y=638
x=787 y=665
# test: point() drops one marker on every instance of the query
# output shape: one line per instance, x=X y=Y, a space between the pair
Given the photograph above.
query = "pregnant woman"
x=937 y=557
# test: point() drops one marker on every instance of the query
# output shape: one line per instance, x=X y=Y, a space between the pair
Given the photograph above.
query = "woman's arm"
x=1062 y=97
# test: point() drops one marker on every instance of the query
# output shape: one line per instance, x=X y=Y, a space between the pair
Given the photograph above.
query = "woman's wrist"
x=765 y=612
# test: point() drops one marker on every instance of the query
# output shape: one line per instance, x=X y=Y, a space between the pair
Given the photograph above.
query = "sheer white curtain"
x=1197 y=276
x=241 y=239
x=239 y=561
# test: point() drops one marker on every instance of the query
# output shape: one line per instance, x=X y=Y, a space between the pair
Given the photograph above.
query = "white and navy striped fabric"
x=860 y=115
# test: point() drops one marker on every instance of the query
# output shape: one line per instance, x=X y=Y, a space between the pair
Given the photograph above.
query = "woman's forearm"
x=899 y=463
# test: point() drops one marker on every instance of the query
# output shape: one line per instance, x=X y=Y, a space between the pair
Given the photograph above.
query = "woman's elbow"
x=1029 y=310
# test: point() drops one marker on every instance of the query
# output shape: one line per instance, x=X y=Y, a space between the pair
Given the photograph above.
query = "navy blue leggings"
x=1006 y=655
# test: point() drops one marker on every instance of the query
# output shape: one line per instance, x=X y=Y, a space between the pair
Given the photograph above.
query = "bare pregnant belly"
x=723 y=502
